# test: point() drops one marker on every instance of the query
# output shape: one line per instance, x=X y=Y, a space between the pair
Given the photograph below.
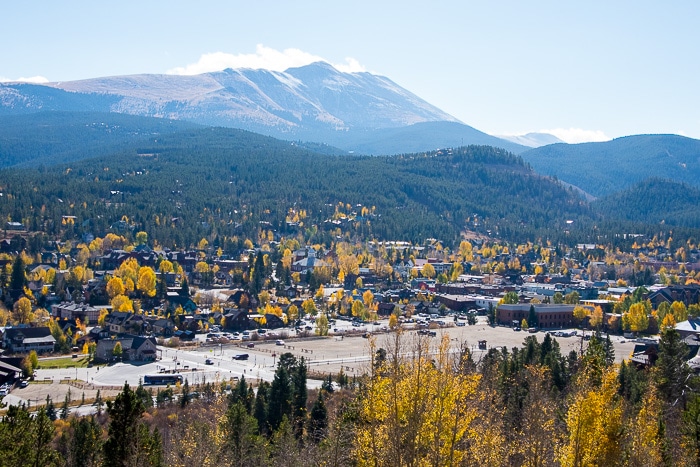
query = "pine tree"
x=279 y=401
x=50 y=409
x=299 y=397
x=185 y=396
x=184 y=288
x=144 y=395
x=121 y=446
x=65 y=407
x=671 y=369
x=18 y=279
x=85 y=445
x=260 y=407
x=242 y=445
x=318 y=421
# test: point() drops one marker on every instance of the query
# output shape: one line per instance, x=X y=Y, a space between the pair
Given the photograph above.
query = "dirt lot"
x=328 y=355
x=325 y=356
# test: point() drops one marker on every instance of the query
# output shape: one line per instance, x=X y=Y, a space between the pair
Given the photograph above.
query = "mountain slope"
x=216 y=182
x=50 y=138
x=654 y=201
x=314 y=103
x=603 y=168
x=419 y=137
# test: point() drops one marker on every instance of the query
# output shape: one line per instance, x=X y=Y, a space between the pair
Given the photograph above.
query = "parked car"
x=24 y=383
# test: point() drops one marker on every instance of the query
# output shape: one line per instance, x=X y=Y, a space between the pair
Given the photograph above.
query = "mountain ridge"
x=605 y=167
x=314 y=102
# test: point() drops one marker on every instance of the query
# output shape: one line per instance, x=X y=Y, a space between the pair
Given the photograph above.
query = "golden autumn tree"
x=594 y=424
x=122 y=303
x=645 y=436
x=637 y=318
x=536 y=439
x=146 y=281
x=165 y=266
x=415 y=407
x=596 y=317
x=22 y=311
x=115 y=286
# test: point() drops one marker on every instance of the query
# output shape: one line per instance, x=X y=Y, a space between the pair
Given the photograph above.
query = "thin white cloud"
x=577 y=135
x=33 y=79
x=265 y=58
x=350 y=66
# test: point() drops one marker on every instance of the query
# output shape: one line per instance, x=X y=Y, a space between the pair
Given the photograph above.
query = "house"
x=236 y=320
x=688 y=294
x=71 y=310
x=310 y=263
x=134 y=348
x=184 y=335
x=689 y=328
x=163 y=327
x=23 y=340
x=121 y=322
x=385 y=309
x=273 y=321
x=174 y=300
x=10 y=369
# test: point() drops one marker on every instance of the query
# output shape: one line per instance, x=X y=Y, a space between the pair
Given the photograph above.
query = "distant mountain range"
x=359 y=112
x=603 y=168
x=318 y=108
x=532 y=140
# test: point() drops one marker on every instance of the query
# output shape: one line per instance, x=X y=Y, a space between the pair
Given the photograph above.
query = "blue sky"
x=582 y=70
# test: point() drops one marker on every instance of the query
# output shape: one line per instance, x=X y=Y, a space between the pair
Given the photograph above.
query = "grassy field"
x=64 y=362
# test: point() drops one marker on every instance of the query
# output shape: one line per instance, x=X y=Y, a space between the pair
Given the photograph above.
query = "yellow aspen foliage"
x=637 y=319
x=415 y=408
x=679 y=310
x=645 y=439
x=668 y=322
x=594 y=424
x=147 y=281
x=122 y=303
x=101 y=318
x=393 y=322
x=115 y=287
x=368 y=298
x=538 y=431
x=596 y=318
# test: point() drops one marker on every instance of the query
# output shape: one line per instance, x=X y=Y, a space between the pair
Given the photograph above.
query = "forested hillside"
x=654 y=201
x=604 y=168
x=213 y=182
x=51 y=138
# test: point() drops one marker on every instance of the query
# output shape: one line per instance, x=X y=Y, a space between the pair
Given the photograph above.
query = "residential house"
x=310 y=263
x=26 y=339
x=236 y=320
x=70 y=310
x=163 y=327
x=134 y=348
x=121 y=322
x=273 y=321
x=10 y=369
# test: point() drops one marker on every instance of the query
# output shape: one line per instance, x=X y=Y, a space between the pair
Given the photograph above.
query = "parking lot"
x=324 y=355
